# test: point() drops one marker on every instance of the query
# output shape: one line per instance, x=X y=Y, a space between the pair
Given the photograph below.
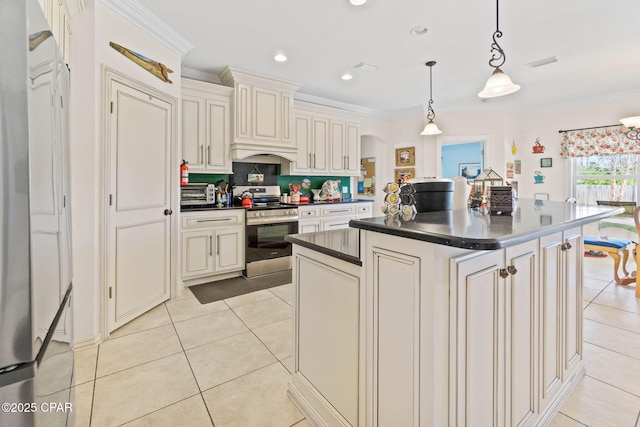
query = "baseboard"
x=88 y=342
x=571 y=383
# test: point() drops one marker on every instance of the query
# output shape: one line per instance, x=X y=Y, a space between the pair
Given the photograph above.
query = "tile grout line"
x=612 y=386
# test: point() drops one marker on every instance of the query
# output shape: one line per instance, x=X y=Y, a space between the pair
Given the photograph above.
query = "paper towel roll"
x=461 y=191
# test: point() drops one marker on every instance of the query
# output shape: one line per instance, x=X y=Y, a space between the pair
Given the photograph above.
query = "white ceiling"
x=597 y=43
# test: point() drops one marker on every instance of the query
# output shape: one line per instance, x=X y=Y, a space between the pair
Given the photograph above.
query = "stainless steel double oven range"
x=268 y=222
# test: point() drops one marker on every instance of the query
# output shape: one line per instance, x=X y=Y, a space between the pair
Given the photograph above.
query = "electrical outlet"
x=345 y=189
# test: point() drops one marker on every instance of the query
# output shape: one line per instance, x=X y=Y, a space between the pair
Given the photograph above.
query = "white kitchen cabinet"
x=494 y=343
x=561 y=311
x=262 y=114
x=59 y=18
x=345 y=148
x=212 y=243
x=206 y=126
x=330 y=216
x=328 y=142
x=327 y=330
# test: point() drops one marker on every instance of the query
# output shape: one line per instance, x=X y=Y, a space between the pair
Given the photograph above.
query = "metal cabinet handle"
x=201 y=159
x=504 y=273
x=168 y=211
x=314 y=160
x=217 y=244
x=208 y=154
x=566 y=246
x=310 y=160
x=214 y=220
x=210 y=245
x=512 y=269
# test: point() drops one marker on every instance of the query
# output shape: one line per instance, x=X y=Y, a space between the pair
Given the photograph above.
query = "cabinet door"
x=197 y=253
x=572 y=275
x=309 y=226
x=193 y=132
x=352 y=149
x=477 y=363
x=243 y=113
x=551 y=290
x=337 y=154
x=520 y=334
x=320 y=138
x=304 y=160
x=217 y=136
x=229 y=249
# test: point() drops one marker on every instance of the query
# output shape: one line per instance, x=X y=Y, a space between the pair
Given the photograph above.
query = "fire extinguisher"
x=184 y=173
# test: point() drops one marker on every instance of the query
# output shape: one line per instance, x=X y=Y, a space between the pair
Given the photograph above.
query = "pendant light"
x=633 y=123
x=499 y=83
x=431 y=128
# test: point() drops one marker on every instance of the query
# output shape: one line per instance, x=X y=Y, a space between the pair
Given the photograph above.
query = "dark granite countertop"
x=471 y=229
x=343 y=244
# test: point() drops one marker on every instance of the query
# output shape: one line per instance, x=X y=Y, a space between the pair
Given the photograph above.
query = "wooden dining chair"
x=634 y=277
x=615 y=248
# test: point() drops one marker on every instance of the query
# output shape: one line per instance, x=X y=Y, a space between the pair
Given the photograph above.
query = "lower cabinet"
x=212 y=243
x=324 y=217
x=494 y=349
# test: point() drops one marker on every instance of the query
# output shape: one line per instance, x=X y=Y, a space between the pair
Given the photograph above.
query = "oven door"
x=265 y=241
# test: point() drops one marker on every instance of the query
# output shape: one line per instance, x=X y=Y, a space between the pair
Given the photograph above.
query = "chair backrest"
x=636 y=218
x=571 y=200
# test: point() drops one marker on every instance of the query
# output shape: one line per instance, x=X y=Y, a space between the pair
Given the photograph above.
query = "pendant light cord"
x=430 y=113
x=498 y=57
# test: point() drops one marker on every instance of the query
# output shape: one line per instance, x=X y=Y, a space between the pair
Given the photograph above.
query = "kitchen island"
x=453 y=318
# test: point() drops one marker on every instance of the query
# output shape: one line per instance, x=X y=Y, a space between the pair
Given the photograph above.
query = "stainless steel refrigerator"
x=36 y=357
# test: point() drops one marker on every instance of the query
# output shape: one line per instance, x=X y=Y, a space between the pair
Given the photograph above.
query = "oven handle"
x=258 y=221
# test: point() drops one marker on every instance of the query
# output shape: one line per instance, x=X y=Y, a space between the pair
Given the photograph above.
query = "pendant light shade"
x=431 y=128
x=633 y=123
x=499 y=83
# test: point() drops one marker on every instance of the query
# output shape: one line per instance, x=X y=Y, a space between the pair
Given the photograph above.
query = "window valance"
x=604 y=141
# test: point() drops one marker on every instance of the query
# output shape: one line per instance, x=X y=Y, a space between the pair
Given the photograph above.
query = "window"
x=608 y=178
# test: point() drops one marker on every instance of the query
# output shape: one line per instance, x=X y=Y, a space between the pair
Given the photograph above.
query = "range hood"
x=262 y=115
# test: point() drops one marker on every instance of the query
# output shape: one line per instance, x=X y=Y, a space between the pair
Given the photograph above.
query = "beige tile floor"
x=228 y=363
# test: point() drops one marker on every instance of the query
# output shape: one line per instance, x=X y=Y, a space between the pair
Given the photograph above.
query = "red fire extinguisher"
x=184 y=173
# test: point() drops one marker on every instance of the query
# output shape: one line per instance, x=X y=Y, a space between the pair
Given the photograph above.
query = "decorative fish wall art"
x=159 y=70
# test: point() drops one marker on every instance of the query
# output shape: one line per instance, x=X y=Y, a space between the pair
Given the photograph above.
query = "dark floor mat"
x=222 y=289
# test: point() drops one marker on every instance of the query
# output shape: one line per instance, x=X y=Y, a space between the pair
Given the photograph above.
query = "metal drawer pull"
x=566 y=246
x=201 y=159
x=512 y=269
x=210 y=245
x=340 y=210
x=214 y=220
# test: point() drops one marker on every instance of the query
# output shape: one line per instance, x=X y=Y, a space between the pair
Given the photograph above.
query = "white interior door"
x=139 y=197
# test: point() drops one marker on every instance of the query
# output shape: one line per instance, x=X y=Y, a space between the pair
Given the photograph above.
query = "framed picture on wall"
x=404 y=174
x=405 y=156
x=469 y=170
x=545 y=162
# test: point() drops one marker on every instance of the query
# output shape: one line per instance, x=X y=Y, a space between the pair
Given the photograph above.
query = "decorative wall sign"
x=517 y=167
x=405 y=174
x=545 y=162
x=538 y=178
x=509 y=169
x=406 y=156
x=538 y=148
x=159 y=70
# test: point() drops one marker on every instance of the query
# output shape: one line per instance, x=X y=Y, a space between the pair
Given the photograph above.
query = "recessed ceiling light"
x=541 y=62
x=280 y=56
x=346 y=76
x=357 y=2
x=420 y=30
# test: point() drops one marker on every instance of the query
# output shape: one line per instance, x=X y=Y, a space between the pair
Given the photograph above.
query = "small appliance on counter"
x=432 y=194
x=197 y=195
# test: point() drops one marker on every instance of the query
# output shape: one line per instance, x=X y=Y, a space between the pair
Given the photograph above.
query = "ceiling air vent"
x=541 y=62
x=365 y=67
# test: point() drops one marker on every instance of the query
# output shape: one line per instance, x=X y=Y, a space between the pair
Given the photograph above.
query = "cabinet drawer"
x=363 y=208
x=308 y=212
x=211 y=219
x=338 y=210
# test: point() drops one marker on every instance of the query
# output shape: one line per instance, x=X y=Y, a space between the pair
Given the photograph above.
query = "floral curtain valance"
x=606 y=141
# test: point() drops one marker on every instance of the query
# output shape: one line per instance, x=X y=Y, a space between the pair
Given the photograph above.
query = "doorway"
x=139 y=130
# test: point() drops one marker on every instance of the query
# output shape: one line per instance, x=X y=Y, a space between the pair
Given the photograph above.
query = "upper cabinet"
x=59 y=17
x=327 y=140
x=206 y=126
x=262 y=114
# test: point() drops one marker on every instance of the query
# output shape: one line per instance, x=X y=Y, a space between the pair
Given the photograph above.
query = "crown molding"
x=140 y=16
x=202 y=76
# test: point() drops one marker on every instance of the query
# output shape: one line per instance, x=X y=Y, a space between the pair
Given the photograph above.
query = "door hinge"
x=110 y=293
x=111 y=107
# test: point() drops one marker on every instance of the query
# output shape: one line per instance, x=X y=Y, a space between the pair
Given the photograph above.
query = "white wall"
x=93 y=29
